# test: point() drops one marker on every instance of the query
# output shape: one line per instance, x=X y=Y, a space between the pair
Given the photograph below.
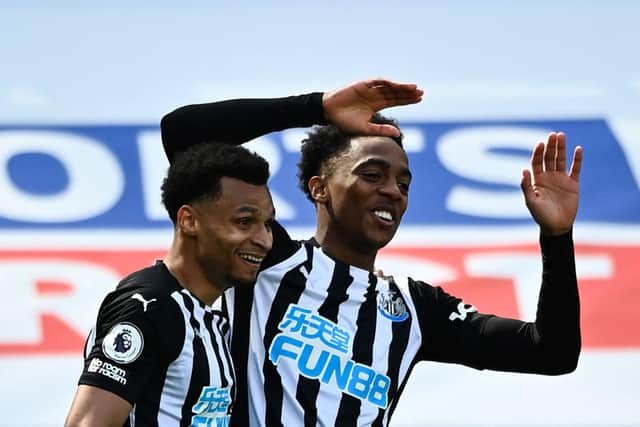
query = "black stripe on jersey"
x=243 y=300
x=150 y=411
x=295 y=284
x=200 y=364
x=208 y=322
x=396 y=398
x=225 y=313
x=307 y=390
x=400 y=332
x=362 y=350
x=222 y=323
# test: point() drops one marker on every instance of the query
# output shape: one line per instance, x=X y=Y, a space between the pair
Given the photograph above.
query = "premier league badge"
x=123 y=343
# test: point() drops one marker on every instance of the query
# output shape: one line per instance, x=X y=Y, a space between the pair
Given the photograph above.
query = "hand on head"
x=351 y=108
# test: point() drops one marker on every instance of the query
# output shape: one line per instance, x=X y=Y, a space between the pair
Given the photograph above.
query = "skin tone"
x=344 y=197
x=361 y=201
x=216 y=243
x=220 y=242
x=351 y=107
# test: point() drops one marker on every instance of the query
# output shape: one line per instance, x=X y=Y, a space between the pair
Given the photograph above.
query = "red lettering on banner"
x=51 y=287
x=609 y=311
x=51 y=297
x=49 y=301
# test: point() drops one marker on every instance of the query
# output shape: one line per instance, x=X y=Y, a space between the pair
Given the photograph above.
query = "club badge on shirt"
x=391 y=305
x=123 y=343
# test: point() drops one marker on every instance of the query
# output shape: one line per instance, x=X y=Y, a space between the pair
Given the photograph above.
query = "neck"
x=337 y=245
x=184 y=266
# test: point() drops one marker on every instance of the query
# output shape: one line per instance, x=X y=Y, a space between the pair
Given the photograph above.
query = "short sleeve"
x=125 y=346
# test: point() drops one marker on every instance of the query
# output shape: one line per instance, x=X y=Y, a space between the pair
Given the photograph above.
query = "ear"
x=187 y=220
x=318 y=189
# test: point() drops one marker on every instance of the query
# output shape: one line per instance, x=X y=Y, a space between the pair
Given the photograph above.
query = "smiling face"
x=367 y=188
x=233 y=232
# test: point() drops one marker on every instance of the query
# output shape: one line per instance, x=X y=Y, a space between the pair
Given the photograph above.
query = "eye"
x=246 y=221
x=404 y=187
x=371 y=176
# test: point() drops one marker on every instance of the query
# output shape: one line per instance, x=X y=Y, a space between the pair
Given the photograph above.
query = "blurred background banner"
x=82 y=90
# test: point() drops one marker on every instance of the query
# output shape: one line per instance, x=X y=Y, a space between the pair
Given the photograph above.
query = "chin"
x=243 y=281
x=382 y=241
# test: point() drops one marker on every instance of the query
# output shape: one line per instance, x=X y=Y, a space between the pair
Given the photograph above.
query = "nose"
x=263 y=237
x=390 y=189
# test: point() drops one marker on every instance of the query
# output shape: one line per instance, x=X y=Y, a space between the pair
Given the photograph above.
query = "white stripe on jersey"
x=316 y=293
x=176 y=384
x=215 y=375
x=377 y=341
x=263 y=298
x=415 y=338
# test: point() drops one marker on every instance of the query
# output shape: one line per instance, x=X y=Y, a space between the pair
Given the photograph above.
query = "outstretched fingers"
x=576 y=165
x=392 y=93
x=550 y=150
x=382 y=130
x=537 y=159
x=561 y=153
x=526 y=184
x=384 y=82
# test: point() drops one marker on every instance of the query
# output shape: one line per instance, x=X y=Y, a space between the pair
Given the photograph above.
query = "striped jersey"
x=317 y=342
x=164 y=351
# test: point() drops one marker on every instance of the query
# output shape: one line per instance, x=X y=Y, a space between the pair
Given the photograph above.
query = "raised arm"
x=240 y=120
x=550 y=345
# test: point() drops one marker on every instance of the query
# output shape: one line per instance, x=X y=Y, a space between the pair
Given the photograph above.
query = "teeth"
x=384 y=215
x=250 y=258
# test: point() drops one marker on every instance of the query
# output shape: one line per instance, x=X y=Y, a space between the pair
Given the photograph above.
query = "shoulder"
x=145 y=296
x=426 y=295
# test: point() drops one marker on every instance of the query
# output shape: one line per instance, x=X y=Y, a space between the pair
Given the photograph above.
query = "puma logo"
x=144 y=302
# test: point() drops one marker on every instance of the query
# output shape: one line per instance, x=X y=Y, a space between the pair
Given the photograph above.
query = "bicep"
x=93 y=406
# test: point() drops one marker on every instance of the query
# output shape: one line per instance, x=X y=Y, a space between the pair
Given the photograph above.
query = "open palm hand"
x=552 y=194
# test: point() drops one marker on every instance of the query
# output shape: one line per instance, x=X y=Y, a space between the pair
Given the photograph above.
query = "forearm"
x=558 y=315
x=237 y=121
x=552 y=344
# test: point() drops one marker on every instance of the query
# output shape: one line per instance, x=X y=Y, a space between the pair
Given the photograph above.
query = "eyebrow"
x=383 y=163
x=253 y=210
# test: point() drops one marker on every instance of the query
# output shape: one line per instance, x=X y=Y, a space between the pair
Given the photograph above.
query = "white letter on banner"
x=467 y=153
x=96 y=180
x=153 y=167
x=21 y=306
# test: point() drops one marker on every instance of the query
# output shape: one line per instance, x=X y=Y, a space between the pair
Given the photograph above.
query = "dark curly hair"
x=195 y=174
x=324 y=143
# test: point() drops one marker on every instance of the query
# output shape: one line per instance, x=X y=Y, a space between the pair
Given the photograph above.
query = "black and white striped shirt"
x=320 y=342
x=164 y=351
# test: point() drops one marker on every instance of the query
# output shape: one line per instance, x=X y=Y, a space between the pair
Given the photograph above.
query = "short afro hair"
x=195 y=173
x=327 y=142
